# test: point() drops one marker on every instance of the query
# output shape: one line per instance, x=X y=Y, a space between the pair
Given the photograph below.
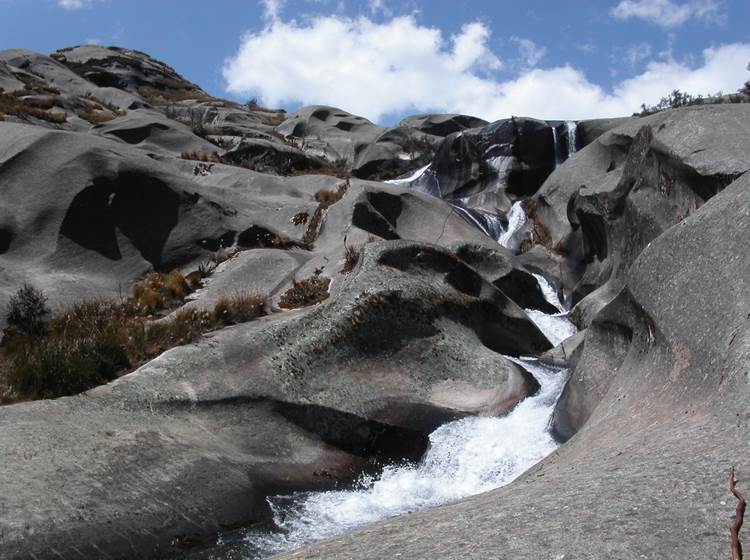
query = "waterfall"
x=571 y=139
x=571 y=128
x=423 y=180
x=409 y=178
x=465 y=457
x=558 y=148
x=555 y=327
x=516 y=221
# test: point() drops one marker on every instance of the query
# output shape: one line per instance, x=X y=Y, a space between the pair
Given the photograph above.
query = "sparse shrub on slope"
x=27 y=310
x=94 y=342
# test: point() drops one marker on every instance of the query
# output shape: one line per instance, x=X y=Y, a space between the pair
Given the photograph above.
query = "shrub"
x=27 y=311
x=306 y=292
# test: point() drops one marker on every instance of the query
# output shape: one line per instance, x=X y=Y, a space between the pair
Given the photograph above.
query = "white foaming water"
x=558 y=150
x=501 y=165
x=572 y=129
x=465 y=457
x=555 y=327
x=411 y=178
x=516 y=220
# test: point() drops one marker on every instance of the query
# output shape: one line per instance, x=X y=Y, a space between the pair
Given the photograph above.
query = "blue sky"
x=384 y=59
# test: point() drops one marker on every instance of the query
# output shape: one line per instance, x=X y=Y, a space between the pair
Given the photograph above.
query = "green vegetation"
x=306 y=292
x=677 y=99
x=27 y=311
x=93 y=342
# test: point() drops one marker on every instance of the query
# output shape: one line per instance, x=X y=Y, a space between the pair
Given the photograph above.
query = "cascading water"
x=555 y=327
x=488 y=224
x=423 y=180
x=516 y=220
x=558 y=148
x=465 y=457
x=409 y=178
x=571 y=128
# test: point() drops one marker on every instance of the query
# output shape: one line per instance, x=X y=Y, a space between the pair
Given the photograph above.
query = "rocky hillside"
x=397 y=273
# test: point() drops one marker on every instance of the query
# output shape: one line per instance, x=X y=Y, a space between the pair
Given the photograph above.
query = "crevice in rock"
x=6 y=238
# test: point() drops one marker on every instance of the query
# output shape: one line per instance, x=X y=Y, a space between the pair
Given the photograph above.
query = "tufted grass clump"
x=306 y=292
x=159 y=291
x=351 y=258
x=239 y=308
x=326 y=198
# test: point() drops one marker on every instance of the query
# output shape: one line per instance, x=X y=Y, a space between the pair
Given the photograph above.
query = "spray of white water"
x=465 y=457
x=410 y=178
x=572 y=129
x=516 y=221
x=555 y=327
x=558 y=148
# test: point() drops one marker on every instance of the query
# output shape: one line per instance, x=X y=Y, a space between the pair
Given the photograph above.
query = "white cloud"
x=529 y=52
x=377 y=6
x=398 y=66
x=75 y=4
x=272 y=9
x=638 y=53
x=667 y=13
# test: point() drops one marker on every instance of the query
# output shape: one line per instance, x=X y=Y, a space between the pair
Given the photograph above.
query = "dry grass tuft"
x=35 y=107
x=202 y=156
x=306 y=292
x=239 y=308
x=351 y=258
